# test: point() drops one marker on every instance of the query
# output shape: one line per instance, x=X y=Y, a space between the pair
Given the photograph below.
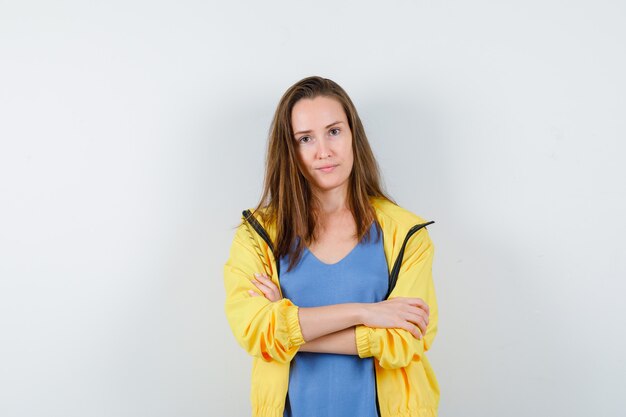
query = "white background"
x=133 y=134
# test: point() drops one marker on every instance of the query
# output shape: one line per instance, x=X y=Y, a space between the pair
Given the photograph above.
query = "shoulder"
x=260 y=215
x=258 y=219
x=398 y=227
x=392 y=215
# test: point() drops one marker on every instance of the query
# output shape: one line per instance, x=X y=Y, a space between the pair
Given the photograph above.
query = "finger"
x=268 y=289
x=414 y=330
x=253 y=294
x=414 y=309
x=423 y=314
x=275 y=288
x=418 y=302
x=419 y=321
x=413 y=301
x=263 y=288
x=266 y=280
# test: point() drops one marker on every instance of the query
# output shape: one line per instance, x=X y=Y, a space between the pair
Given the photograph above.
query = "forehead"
x=316 y=113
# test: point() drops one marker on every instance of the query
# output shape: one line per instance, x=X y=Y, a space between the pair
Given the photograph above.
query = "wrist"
x=361 y=310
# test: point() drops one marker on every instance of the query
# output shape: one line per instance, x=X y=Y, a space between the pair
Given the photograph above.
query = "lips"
x=327 y=168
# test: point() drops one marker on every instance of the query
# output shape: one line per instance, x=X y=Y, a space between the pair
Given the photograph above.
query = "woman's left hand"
x=266 y=286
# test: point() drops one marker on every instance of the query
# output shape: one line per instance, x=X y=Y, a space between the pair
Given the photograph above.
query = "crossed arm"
x=391 y=331
x=331 y=329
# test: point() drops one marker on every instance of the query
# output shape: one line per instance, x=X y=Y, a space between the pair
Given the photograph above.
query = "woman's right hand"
x=266 y=286
x=410 y=314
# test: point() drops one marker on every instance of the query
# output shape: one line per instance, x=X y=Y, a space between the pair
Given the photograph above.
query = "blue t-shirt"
x=334 y=385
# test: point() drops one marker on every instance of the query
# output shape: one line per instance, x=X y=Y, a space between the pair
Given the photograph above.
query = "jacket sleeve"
x=270 y=330
x=396 y=348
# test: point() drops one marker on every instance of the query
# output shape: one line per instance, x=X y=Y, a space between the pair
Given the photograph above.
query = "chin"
x=328 y=186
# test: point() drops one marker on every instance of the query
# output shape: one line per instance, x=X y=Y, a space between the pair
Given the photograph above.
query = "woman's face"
x=323 y=143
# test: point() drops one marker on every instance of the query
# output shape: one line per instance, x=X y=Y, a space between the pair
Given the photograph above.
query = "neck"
x=333 y=201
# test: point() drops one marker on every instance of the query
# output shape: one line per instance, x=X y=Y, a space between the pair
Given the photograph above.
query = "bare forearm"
x=341 y=342
x=316 y=322
x=410 y=314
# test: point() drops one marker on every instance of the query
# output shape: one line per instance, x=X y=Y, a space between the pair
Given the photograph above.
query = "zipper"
x=247 y=215
x=393 y=274
x=395 y=271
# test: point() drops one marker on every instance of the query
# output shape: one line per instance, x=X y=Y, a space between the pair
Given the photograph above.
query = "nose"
x=323 y=151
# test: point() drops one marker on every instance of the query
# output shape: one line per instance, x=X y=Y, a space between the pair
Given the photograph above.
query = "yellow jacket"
x=270 y=331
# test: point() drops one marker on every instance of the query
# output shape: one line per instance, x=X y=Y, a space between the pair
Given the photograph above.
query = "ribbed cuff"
x=267 y=411
x=294 y=331
x=363 y=346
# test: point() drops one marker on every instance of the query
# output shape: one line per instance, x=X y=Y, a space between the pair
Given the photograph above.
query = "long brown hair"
x=287 y=198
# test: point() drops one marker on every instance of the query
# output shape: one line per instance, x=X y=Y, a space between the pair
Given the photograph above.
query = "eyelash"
x=331 y=130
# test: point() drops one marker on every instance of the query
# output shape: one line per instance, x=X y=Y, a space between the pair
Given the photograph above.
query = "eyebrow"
x=309 y=131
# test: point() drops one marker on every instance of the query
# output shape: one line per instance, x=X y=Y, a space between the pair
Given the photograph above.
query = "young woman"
x=329 y=283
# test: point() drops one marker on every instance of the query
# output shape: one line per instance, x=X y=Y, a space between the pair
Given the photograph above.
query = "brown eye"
x=304 y=139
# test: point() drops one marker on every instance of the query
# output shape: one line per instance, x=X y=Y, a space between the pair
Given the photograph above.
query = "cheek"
x=303 y=156
x=349 y=155
x=350 y=163
x=303 y=160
